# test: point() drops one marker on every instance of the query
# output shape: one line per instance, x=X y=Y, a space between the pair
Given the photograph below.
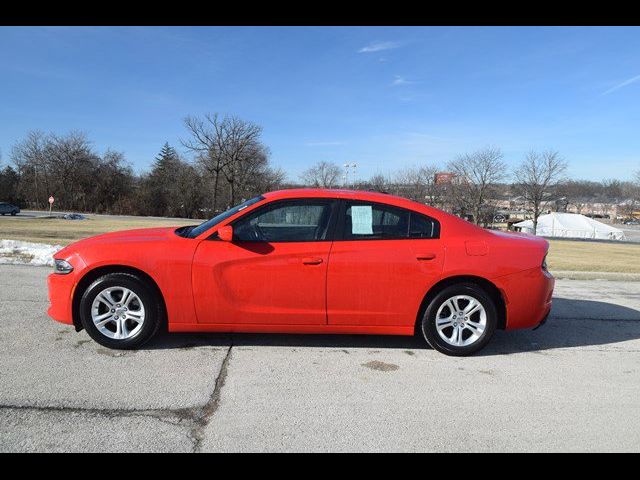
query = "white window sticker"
x=362 y=220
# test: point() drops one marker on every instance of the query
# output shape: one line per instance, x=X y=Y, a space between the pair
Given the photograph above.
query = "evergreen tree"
x=163 y=188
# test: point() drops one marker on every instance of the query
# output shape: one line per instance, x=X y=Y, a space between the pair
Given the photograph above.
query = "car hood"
x=137 y=236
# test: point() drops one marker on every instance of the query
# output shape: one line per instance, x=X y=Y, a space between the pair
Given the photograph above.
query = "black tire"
x=428 y=323
x=146 y=294
x=13 y=214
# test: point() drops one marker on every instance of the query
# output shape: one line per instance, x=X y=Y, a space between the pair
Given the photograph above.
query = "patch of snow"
x=17 y=252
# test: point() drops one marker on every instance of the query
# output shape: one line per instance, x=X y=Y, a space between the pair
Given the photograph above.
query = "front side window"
x=374 y=221
x=193 y=232
x=289 y=221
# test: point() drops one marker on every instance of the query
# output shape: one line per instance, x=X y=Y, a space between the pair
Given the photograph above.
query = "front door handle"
x=312 y=261
x=425 y=256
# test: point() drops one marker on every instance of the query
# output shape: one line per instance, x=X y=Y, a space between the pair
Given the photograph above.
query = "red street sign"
x=51 y=200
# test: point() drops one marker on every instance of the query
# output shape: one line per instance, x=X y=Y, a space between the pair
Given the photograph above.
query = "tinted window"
x=421 y=226
x=365 y=221
x=203 y=227
x=290 y=221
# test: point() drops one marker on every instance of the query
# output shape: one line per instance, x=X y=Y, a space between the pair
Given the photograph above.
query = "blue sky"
x=384 y=98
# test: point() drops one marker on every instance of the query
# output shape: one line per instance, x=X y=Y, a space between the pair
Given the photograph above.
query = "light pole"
x=347 y=166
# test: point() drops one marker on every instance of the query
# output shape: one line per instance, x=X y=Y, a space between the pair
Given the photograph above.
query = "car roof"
x=336 y=193
x=365 y=195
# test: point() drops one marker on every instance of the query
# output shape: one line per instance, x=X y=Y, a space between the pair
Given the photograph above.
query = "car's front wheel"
x=460 y=320
x=120 y=310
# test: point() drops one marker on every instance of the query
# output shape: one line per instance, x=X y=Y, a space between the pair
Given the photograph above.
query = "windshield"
x=203 y=227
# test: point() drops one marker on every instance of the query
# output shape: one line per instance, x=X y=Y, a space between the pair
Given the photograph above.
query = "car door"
x=382 y=263
x=274 y=270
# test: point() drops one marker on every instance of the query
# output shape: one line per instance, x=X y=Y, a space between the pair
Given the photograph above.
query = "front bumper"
x=528 y=297
x=61 y=288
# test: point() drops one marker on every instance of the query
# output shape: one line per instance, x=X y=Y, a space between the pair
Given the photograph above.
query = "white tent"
x=571 y=225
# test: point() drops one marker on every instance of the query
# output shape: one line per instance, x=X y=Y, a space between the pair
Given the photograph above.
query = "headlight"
x=62 y=267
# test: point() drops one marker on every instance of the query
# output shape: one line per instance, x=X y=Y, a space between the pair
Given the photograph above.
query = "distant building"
x=443 y=178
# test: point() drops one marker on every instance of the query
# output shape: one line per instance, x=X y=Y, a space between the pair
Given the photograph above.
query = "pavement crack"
x=195 y=419
x=202 y=416
x=165 y=415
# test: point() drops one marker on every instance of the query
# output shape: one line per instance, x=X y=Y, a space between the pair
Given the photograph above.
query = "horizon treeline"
x=229 y=163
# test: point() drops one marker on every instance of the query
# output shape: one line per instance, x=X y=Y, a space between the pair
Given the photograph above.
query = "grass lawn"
x=593 y=256
x=563 y=255
x=63 y=232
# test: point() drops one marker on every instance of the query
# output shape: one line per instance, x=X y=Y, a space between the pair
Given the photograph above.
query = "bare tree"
x=208 y=137
x=612 y=189
x=29 y=159
x=113 y=185
x=227 y=147
x=60 y=165
x=245 y=155
x=9 y=180
x=419 y=184
x=270 y=179
x=379 y=183
x=537 y=176
x=476 y=174
x=576 y=192
x=322 y=175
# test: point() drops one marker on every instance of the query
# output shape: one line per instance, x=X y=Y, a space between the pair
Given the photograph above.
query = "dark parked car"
x=8 y=208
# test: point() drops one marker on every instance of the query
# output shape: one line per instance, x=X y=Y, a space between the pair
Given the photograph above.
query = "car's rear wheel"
x=120 y=310
x=460 y=320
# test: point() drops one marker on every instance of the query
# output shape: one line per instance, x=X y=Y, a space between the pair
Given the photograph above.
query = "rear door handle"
x=312 y=261
x=426 y=256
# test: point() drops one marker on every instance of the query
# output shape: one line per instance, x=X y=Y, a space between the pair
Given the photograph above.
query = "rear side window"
x=374 y=221
x=421 y=226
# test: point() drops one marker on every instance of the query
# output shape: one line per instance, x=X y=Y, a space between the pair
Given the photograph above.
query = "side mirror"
x=225 y=233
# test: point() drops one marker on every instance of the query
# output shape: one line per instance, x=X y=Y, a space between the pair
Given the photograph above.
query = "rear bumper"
x=528 y=297
x=544 y=320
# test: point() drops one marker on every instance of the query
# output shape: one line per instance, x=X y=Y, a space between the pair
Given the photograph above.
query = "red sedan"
x=307 y=261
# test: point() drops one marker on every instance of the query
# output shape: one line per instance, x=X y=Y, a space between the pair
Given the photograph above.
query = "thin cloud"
x=379 y=47
x=400 y=81
x=622 y=85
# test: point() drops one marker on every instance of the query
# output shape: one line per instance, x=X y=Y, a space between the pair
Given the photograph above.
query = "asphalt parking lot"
x=572 y=385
